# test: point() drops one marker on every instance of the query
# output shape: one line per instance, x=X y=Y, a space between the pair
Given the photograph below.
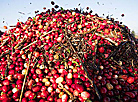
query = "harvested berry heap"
x=68 y=56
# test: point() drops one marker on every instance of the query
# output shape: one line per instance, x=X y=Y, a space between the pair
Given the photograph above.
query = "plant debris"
x=68 y=55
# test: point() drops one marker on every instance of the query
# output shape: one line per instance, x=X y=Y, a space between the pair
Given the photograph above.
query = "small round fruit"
x=36 y=54
x=59 y=79
x=31 y=95
x=76 y=93
x=85 y=95
x=64 y=98
x=27 y=93
x=130 y=80
x=46 y=47
x=103 y=90
x=80 y=88
x=101 y=49
x=6 y=82
x=59 y=39
x=4 y=88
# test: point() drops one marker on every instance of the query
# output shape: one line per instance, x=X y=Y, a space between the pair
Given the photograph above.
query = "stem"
x=61 y=87
x=25 y=80
x=47 y=33
x=7 y=67
x=116 y=50
x=110 y=40
x=29 y=45
x=36 y=61
x=83 y=67
x=88 y=31
x=94 y=58
x=5 y=41
x=3 y=54
x=19 y=43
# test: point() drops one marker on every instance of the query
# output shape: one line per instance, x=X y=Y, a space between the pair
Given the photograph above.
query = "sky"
x=11 y=10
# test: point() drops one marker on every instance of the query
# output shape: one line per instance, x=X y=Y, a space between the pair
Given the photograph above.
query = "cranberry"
x=24 y=99
x=114 y=81
x=87 y=84
x=130 y=94
x=36 y=88
x=50 y=98
x=110 y=93
x=78 y=87
x=16 y=95
x=69 y=81
x=27 y=93
x=126 y=98
x=116 y=92
x=103 y=82
x=106 y=99
x=85 y=95
x=118 y=87
x=6 y=82
x=44 y=94
x=54 y=85
x=19 y=86
x=101 y=49
x=75 y=75
x=130 y=80
x=103 y=90
x=31 y=96
x=5 y=88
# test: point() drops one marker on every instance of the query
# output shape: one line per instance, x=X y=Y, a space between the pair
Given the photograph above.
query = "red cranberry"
x=103 y=90
x=106 y=99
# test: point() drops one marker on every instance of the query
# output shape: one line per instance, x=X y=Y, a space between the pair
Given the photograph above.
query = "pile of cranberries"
x=68 y=56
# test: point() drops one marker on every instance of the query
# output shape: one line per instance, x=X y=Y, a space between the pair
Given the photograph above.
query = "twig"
x=110 y=40
x=115 y=61
x=13 y=26
x=43 y=55
x=97 y=92
x=19 y=43
x=47 y=25
x=35 y=63
x=135 y=55
x=44 y=34
x=29 y=45
x=72 y=22
x=83 y=67
x=25 y=80
x=80 y=43
x=94 y=58
x=8 y=64
x=61 y=87
x=116 y=50
x=3 y=54
x=88 y=31
x=81 y=19
x=5 y=41
x=132 y=62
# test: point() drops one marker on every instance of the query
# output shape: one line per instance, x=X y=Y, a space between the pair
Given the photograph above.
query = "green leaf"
x=35 y=96
x=33 y=18
x=42 y=18
x=40 y=34
x=34 y=85
x=88 y=100
x=59 y=47
x=62 y=8
x=64 y=60
x=68 y=50
x=75 y=63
